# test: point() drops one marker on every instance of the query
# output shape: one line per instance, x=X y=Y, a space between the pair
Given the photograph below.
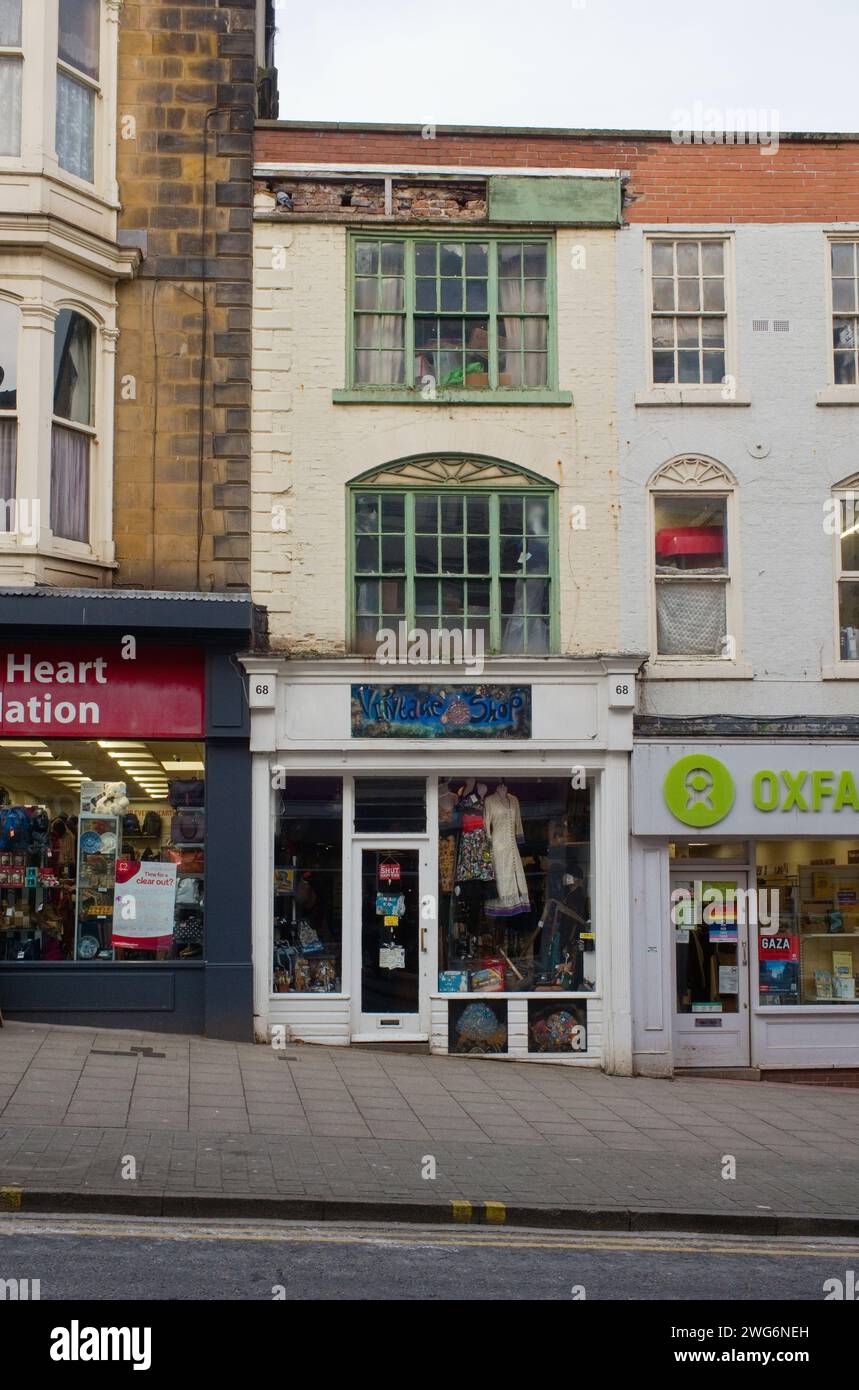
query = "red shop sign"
x=778 y=946
x=111 y=689
x=389 y=873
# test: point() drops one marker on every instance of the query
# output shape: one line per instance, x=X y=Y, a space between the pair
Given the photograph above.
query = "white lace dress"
x=503 y=821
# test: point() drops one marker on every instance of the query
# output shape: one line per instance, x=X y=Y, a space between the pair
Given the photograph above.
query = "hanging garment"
x=474 y=860
x=503 y=820
x=446 y=862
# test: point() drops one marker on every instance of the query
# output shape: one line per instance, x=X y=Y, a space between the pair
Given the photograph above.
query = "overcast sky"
x=588 y=63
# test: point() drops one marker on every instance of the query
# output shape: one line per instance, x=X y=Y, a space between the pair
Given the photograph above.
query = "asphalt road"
x=109 y=1258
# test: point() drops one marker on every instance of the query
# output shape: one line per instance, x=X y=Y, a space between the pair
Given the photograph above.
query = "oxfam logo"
x=699 y=791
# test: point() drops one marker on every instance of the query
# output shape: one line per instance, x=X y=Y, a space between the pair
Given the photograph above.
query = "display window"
x=102 y=850
x=808 y=946
x=515 y=875
x=308 y=887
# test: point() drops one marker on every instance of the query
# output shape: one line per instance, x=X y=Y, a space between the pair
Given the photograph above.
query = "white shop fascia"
x=309 y=717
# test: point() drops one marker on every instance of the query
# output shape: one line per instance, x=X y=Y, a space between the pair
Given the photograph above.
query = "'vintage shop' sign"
x=437 y=711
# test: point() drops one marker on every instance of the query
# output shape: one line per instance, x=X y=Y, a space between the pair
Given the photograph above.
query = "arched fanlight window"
x=692 y=520
x=455 y=545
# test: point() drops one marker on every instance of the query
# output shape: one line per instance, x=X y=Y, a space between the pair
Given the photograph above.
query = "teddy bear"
x=113 y=800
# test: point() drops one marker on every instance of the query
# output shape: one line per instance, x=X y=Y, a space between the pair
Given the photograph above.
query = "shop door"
x=709 y=931
x=391 y=989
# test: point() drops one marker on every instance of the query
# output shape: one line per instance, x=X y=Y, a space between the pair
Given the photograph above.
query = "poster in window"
x=477 y=1026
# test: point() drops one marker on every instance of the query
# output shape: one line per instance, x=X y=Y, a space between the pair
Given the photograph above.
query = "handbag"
x=188 y=827
x=186 y=791
x=188 y=931
x=189 y=891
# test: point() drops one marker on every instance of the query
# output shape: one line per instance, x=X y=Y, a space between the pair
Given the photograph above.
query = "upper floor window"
x=72 y=428
x=688 y=318
x=691 y=560
x=844 y=262
x=77 y=85
x=451 y=314
x=11 y=76
x=847 y=573
x=455 y=560
x=9 y=324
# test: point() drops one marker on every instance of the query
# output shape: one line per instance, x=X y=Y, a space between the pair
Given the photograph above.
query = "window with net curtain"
x=73 y=416
x=11 y=77
x=77 y=49
x=691 y=565
x=9 y=326
x=476 y=563
x=451 y=314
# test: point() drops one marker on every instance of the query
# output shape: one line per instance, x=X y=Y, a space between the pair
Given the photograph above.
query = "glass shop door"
x=709 y=934
x=395 y=939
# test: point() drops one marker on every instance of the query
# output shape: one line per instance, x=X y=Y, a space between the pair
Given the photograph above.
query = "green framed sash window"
x=455 y=561
x=460 y=313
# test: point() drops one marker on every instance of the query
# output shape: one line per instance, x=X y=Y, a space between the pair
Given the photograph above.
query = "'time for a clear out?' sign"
x=114 y=689
x=144 y=905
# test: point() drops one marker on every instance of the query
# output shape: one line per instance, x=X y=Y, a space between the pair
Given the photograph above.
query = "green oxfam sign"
x=699 y=791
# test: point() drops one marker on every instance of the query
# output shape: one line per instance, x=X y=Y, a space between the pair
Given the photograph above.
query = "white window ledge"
x=838 y=395
x=715 y=670
x=691 y=395
x=841 y=671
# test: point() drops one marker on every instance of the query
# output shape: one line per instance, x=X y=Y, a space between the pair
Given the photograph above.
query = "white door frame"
x=713 y=1040
x=411 y=1027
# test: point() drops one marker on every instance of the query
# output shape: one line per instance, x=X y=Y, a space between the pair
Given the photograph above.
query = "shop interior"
x=515 y=875
x=79 y=822
x=806 y=918
x=813 y=955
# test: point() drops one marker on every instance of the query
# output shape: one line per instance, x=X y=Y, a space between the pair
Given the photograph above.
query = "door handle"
x=745 y=953
x=423 y=938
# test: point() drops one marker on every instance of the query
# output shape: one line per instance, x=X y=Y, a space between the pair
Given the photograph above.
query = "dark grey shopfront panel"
x=164 y=998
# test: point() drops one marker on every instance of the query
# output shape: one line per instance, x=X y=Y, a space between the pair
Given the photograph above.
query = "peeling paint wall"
x=306 y=449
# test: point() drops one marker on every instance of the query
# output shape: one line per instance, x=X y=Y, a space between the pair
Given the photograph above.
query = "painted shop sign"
x=114 y=689
x=440 y=711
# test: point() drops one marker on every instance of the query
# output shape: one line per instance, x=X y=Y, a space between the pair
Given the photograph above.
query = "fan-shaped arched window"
x=844 y=523
x=458 y=546
x=692 y=507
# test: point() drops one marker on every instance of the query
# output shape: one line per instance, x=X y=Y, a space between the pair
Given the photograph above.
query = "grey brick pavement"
x=214 y=1118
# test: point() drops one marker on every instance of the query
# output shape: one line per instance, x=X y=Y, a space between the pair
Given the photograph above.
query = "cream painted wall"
x=306 y=449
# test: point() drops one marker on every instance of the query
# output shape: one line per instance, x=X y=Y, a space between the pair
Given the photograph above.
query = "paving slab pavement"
x=211 y=1122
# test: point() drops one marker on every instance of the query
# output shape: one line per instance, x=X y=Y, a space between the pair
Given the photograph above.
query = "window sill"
x=842 y=671
x=501 y=397
x=717 y=669
x=838 y=395
x=691 y=395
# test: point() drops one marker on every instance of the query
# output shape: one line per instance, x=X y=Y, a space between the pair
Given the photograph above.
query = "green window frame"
x=454 y=559
x=463 y=313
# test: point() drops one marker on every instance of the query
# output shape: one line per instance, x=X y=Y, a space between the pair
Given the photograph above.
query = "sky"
x=623 y=64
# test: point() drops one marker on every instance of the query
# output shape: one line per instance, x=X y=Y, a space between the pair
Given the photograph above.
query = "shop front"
x=745 y=904
x=446 y=862
x=124 y=812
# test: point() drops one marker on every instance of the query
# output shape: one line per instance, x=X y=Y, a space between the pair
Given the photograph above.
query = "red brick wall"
x=803 y=181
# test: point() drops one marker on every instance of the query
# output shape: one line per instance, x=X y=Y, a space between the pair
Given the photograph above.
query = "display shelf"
x=828 y=935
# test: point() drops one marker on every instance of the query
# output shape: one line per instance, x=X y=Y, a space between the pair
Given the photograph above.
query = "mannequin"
x=503 y=818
